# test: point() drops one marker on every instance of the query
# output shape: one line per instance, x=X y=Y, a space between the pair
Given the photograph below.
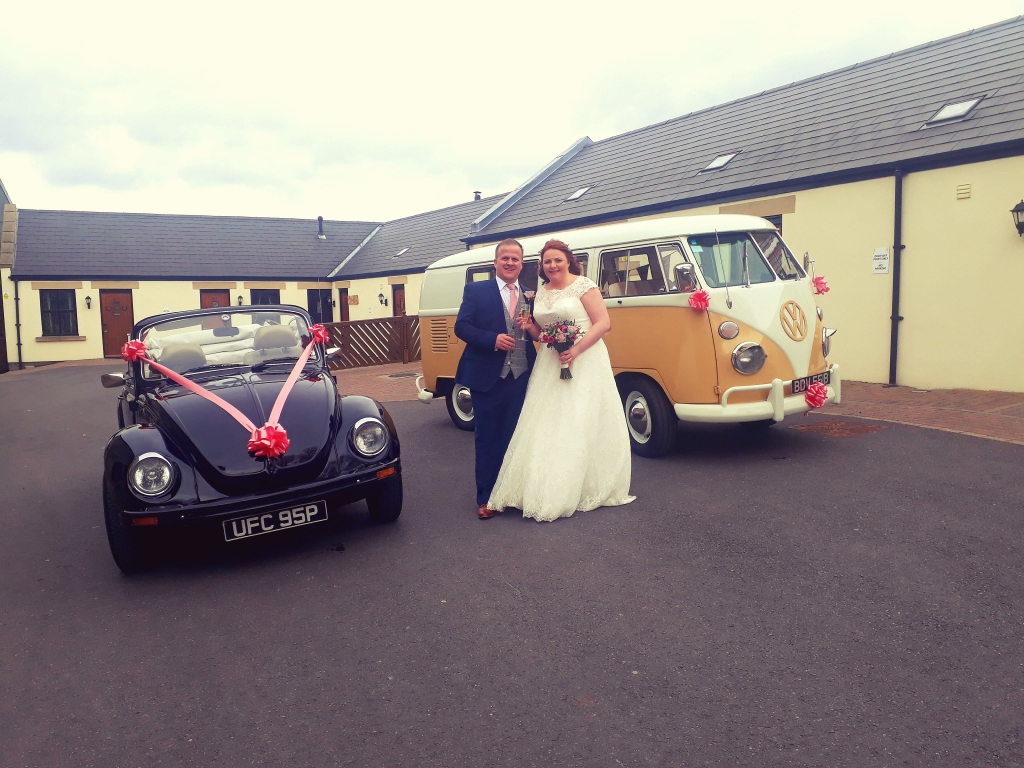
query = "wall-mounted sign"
x=352 y=300
x=880 y=262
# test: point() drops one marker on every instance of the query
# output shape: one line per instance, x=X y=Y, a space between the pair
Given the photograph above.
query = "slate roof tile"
x=865 y=116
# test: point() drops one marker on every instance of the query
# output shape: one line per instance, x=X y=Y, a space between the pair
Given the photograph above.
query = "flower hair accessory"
x=699 y=300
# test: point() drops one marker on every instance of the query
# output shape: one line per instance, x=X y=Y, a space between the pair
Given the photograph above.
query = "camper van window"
x=528 y=277
x=480 y=274
x=631 y=272
x=721 y=258
x=671 y=254
x=583 y=259
x=778 y=255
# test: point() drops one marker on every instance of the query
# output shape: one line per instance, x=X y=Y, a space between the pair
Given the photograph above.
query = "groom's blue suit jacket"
x=481 y=318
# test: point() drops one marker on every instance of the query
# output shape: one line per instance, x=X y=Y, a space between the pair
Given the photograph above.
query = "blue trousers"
x=496 y=413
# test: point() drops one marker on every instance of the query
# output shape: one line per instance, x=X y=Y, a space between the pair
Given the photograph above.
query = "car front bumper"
x=335 y=491
x=776 y=408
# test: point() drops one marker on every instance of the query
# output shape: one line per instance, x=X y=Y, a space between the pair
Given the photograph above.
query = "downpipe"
x=17 y=324
x=895 y=318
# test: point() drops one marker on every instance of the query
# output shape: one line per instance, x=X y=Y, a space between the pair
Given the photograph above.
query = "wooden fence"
x=375 y=342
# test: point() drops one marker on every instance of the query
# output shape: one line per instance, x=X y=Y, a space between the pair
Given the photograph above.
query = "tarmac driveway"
x=791 y=598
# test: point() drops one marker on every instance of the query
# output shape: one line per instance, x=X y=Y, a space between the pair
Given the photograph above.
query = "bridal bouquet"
x=561 y=336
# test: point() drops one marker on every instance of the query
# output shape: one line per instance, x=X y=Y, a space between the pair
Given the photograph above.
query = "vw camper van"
x=748 y=358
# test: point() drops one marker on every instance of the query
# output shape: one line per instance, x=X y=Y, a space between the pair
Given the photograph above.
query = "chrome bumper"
x=776 y=407
x=423 y=395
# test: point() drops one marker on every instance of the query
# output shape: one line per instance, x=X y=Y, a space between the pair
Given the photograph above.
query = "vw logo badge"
x=794 y=321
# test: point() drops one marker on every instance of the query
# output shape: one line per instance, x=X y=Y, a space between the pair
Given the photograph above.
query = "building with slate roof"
x=896 y=175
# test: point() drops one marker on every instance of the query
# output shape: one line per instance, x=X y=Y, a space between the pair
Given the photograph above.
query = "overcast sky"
x=373 y=111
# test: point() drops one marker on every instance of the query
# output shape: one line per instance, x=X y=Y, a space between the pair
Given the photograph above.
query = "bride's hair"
x=558 y=245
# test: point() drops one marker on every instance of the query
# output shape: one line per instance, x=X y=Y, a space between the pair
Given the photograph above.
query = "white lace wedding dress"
x=570 y=451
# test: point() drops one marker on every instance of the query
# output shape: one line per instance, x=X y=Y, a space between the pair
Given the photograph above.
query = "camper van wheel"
x=649 y=417
x=460 y=407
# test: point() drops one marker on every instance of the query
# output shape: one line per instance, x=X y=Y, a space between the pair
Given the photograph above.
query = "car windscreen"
x=203 y=342
x=728 y=258
x=778 y=255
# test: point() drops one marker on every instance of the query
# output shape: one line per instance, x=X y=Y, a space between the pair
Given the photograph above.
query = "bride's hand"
x=524 y=321
x=568 y=356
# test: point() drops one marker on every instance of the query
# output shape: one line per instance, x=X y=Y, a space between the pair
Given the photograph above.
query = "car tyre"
x=650 y=420
x=457 y=400
x=385 y=504
x=131 y=550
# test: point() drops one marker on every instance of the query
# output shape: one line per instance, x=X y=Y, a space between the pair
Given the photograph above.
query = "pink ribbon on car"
x=269 y=441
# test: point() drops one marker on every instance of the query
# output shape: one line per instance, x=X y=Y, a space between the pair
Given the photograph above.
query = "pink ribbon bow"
x=269 y=441
x=699 y=300
x=820 y=286
x=816 y=395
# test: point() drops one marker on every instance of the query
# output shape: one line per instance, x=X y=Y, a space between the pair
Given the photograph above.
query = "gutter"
x=897 y=253
x=17 y=323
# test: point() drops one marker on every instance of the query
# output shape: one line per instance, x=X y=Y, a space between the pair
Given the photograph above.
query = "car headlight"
x=826 y=340
x=728 y=330
x=369 y=437
x=748 y=358
x=150 y=475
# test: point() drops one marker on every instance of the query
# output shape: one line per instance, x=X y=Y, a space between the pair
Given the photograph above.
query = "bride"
x=570 y=450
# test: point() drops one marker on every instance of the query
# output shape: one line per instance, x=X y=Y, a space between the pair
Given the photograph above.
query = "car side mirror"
x=112 y=380
x=333 y=351
x=807 y=261
x=685 y=278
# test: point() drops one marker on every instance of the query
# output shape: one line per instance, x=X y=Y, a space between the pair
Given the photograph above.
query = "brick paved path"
x=992 y=415
x=386 y=383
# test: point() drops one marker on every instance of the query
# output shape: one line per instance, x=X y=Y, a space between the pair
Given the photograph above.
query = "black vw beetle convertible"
x=181 y=460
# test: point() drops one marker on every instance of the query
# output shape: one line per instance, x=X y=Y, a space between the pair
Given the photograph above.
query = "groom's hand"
x=504 y=342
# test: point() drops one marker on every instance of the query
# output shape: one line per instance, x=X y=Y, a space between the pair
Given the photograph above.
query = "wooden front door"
x=398 y=300
x=117 y=317
x=343 y=304
x=209 y=298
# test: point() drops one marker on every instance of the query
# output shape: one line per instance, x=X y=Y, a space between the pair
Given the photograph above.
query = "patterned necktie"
x=512 y=301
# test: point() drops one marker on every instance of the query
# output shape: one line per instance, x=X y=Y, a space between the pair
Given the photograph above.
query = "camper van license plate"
x=254 y=525
x=801 y=385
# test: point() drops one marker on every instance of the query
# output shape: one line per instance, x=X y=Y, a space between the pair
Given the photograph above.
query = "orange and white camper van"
x=748 y=358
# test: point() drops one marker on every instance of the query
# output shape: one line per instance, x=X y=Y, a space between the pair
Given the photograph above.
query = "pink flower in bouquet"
x=560 y=337
x=699 y=300
x=820 y=286
x=816 y=395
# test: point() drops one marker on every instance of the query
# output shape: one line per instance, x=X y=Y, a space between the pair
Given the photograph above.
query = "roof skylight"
x=577 y=194
x=953 y=111
x=719 y=162
x=399 y=253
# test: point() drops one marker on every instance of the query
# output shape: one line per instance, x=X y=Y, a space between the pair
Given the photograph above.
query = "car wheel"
x=650 y=420
x=131 y=550
x=460 y=407
x=385 y=504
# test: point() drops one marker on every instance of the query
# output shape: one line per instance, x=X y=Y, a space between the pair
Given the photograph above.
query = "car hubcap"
x=463 y=403
x=637 y=418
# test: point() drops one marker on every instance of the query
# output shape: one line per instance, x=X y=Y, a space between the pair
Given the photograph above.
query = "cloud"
x=378 y=111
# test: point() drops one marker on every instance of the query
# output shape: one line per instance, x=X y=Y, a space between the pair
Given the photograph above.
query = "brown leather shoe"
x=484 y=513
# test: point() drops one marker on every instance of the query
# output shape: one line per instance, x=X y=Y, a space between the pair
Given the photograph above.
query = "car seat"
x=182 y=357
x=273 y=341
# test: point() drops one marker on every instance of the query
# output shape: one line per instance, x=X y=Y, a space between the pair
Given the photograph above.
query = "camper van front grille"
x=439 y=335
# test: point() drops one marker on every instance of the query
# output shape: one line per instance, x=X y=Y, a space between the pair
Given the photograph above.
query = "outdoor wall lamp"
x=1018 y=217
x=88 y=302
x=381 y=299
x=239 y=301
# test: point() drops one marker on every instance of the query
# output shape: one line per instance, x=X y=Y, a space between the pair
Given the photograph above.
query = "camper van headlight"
x=748 y=358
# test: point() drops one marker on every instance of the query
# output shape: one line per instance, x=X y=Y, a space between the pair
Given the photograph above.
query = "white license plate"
x=268 y=522
x=801 y=385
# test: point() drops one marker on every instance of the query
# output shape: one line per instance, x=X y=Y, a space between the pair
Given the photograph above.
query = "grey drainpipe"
x=898 y=246
x=17 y=324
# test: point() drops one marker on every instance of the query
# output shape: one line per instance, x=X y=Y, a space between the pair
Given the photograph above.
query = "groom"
x=496 y=363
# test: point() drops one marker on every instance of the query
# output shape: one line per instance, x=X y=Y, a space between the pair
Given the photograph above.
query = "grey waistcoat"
x=515 y=359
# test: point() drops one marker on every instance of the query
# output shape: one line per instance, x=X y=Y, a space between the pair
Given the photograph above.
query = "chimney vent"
x=320 y=234
x=476 y=195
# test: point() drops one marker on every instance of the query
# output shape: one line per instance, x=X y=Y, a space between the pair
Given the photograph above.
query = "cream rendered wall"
x=963 y=272
x=368 y=289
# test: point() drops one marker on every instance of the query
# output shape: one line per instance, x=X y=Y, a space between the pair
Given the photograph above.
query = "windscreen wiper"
x=264 y=363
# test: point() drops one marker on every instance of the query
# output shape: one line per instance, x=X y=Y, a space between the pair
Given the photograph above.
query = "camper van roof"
x=626 y=232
